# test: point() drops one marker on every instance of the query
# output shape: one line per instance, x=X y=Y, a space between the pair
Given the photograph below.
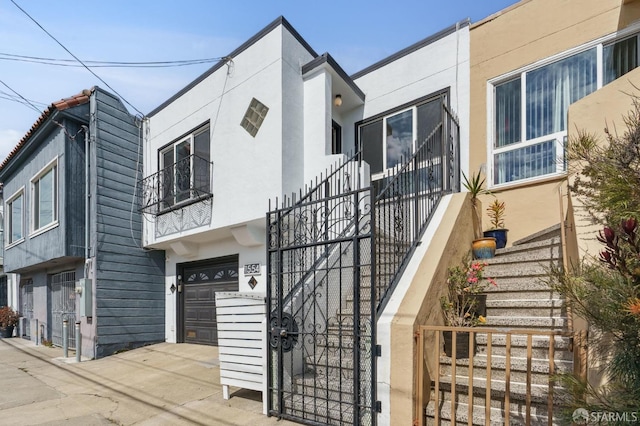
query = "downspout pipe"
x=87 y=200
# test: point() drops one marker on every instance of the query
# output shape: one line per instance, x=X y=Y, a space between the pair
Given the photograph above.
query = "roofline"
x=498 y=14
x=47 y=115
x=328 y=59
x=247 y=44
x=416 y=46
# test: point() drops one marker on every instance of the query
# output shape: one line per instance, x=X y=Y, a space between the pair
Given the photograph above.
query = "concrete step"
x=546 y=249
x=556 y=323
x=542 y=235
x=539 y=346
x=517 y=371
x=313 y=409
x=517 y=415
x=526 y=307
x=518 y=288
x=517 y=391
x=519 y=270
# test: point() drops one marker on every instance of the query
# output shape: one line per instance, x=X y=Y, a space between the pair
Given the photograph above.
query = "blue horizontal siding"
x=130 y=300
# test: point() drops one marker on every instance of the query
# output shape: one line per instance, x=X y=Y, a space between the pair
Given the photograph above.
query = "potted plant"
x=482 y=247
x=495 y=211
x=464 y=305
x=8 y=320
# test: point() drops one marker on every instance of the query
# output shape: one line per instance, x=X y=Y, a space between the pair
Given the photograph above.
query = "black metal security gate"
x=334 y=258
x=322 y=313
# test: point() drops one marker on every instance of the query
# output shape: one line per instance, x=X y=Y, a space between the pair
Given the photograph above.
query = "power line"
x=76 y=58
x=9 y=96
x=105 y=64
x=26 y=101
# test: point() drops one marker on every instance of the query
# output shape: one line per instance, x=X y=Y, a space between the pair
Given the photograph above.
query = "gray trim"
x=419 y=45
x=327 y=58
x=266 y=30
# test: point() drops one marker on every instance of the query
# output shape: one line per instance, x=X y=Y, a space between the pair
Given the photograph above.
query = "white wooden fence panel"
x=242 y=341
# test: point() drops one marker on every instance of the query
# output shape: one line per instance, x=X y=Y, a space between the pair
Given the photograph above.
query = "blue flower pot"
x=500 y=235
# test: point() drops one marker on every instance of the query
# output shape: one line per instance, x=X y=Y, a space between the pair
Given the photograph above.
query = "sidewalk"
x=163 y=384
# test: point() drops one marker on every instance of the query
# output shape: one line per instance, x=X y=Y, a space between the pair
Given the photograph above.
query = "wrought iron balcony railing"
x=182 y=183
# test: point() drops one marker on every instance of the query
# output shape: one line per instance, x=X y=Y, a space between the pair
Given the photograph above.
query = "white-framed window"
x=529 y=107
x=44 y=198
x=185 y=168
x=14 y=216
x=391 y=138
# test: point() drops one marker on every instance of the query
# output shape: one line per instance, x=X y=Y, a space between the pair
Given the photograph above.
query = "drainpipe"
x=87 y=198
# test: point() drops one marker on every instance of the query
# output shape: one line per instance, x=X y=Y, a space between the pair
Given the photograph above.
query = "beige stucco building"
x=529 y=63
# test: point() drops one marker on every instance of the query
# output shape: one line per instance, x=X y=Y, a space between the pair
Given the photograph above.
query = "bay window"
x=530 y=108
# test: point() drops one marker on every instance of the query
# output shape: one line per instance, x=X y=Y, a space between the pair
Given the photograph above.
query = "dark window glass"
x=508 y=113
x=619 y=58
x=371 y=145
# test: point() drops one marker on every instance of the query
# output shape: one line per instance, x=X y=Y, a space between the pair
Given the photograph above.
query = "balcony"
x=185 y=182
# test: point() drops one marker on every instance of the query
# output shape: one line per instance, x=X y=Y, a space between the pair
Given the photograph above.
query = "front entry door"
x=199 y=281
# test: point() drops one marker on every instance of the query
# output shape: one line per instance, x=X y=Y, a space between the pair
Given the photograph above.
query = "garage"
x=199 y=281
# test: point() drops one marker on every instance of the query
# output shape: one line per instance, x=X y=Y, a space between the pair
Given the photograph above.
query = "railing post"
x=78 y=342
x=37 y=333
x=65 y=338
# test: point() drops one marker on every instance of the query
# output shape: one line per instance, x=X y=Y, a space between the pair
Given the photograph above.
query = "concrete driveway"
x=163 y=384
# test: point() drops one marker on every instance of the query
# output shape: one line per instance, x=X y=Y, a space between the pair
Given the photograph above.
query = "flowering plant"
x=8 y=317
x=464 y=283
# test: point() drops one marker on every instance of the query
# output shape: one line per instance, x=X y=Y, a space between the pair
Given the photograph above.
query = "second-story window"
x=530 y=107
x=44 y=190
x=185 y=169
x=14 y=217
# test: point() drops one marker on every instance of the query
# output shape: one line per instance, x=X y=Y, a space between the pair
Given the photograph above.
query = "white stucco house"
x=272 y=119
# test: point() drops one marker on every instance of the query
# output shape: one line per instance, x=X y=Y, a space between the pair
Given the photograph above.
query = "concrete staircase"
x=520 y=301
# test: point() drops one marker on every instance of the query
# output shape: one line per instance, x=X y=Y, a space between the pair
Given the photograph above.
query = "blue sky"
x=356 y=33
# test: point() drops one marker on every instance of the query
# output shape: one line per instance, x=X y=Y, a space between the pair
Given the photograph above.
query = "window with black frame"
x=185 y=171
x=389 y=140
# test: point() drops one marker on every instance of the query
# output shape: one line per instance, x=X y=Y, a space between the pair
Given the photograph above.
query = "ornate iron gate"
x=63 y=306
x=321 y=305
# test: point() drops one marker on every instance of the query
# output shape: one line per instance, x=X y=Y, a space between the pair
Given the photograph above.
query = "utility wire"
x=105 y=64
x=9 y=96
x=77 y=59
x=24 y=101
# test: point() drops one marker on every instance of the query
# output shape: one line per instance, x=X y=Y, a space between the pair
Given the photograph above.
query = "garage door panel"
x=200 y=285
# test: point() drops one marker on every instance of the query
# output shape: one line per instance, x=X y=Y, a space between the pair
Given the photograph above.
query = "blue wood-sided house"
x=72 y=234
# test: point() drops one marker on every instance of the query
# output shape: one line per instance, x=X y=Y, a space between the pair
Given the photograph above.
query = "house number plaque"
x=252 y=269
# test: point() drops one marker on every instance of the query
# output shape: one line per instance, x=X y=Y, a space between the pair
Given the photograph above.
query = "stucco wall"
x=439 y=65
x=605 y=108
x=416 y=301
x=527 y=32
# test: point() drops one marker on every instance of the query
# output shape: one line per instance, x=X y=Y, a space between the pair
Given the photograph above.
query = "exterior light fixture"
x=338 y=100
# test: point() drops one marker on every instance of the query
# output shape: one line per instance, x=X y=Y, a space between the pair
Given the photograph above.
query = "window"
x=14 y=216
x=530 y=109
x=336 y=138
x=44 y=196
x=4 y=295
x=254 y=117
x=185 y=171
x=389 y=140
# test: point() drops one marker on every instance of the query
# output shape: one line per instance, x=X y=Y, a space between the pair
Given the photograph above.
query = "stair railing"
x=408 y=200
